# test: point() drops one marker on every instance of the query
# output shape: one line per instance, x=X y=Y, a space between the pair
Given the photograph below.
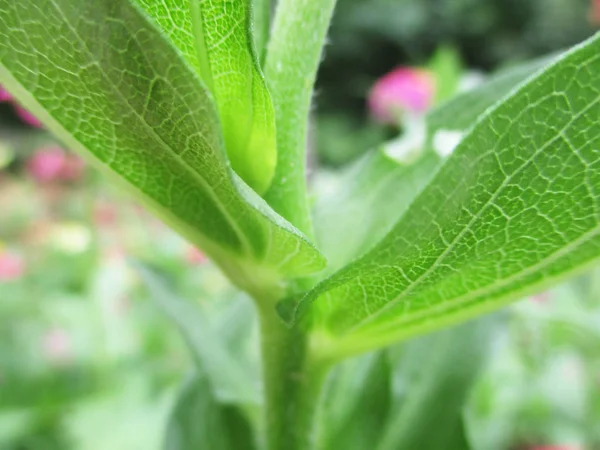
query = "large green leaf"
x=515 y=208
x=200 y=421
x=215 y=37
x=362 y=203
x=110 y=86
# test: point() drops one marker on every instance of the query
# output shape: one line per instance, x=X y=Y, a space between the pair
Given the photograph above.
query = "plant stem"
x=292 y=384
x=261 y=19
x=293 y=57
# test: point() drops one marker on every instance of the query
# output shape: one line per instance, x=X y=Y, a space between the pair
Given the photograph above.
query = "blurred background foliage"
x=88 y=360
x=370 y=37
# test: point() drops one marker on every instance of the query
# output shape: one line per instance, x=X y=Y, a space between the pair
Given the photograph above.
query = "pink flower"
x=105 y=214
x=12 y=267
x=594 y=14
x=52 y=164
x=4 y=95
x=46 y=164
x=27 y=117
x=195 y=257
x=56 y=345
x=541 y=298
x=73 y=168
x=402 y=90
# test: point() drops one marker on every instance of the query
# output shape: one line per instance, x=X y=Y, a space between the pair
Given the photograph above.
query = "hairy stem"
x=293 y=57
x=292 y=384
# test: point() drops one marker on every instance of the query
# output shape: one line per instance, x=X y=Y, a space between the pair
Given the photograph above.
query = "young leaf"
x=108 y=84
x=200 y=421
x=216 y=39
x=515 y=208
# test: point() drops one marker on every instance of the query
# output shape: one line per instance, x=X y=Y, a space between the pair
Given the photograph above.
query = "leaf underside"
x=515 y=207
x=115 y=89
x=369 y=196
x=215 y=38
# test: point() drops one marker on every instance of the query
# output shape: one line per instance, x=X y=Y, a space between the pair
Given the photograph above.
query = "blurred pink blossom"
x=404 y=89
x=115 y=254
x=23 y=114
x=4 y=95
x=73 y=168
x=27 y=117
x=52 y=164
x=12 y=267
x=542 y=297
x=105 y=214
x=56 y=344
x=594 y=14
x=195 y=257
x=46 y=164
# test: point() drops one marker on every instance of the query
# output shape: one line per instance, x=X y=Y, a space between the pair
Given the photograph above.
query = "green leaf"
x=105 y=81
x=200 y=421
x=232 y=380
x=514 y=209
x=384 y=187
x=433 y=376
x=364 y=202
x=216 y=39
x=357 y=403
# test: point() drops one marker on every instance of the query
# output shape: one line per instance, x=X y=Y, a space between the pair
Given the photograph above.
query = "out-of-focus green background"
x=88 y=362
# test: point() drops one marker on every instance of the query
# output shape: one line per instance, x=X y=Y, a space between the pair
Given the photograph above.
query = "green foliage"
x=435 y=375
x=127 y=98
x=512 y=210
x=170 y=98
x=220 y=359
x=215 y=38
x=342 y=232
x=221 y=426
